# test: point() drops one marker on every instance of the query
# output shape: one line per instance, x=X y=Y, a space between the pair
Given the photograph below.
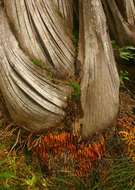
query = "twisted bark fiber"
x=32 y=100
x=43 y=34
x=66 y=10
x=42 y=30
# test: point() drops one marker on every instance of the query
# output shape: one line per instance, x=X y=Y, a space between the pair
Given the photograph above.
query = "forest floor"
x=60 y=161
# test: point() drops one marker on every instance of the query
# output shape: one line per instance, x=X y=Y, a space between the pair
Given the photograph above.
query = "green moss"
x=37 y=62
x=76 y=91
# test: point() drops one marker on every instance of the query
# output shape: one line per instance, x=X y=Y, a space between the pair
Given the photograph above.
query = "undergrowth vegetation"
x=59 y=161
x=126 y=53
x=124 y=75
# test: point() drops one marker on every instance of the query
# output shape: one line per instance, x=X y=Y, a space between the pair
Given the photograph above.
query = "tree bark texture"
x=43 y=34
x=127 y=9
x=32 y=100
x=66 y=10
x=120 y=29
x=37 y=60
x=100 y=81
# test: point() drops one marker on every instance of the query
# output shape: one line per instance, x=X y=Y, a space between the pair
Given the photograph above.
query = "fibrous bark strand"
x=100 y=81
x=43 y=34
x=32 y=100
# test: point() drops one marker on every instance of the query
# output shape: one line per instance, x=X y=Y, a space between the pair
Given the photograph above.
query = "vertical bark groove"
x=120 y=30
x=100 y=81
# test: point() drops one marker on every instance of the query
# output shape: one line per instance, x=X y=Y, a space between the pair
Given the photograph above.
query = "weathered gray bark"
x=130 y=12
x=32 y=100
x=43 y=34
x=66 y=10
x=41 y=30
x=120 y=30
x=100 y=81
x=127 y=9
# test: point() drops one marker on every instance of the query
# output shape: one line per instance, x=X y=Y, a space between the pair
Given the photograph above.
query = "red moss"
x=65 y=145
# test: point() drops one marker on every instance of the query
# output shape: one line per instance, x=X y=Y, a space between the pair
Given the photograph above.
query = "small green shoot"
x=76 y=90
x=37 y=62
x=127 y=53
x=31 y=181
x=124 y=76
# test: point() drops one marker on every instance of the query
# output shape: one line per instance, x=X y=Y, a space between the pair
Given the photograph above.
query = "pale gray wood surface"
x=121 y=30
x=43 y=33
x=66 y=10
x=32 y=100
x=100 y=80
x=34 y=29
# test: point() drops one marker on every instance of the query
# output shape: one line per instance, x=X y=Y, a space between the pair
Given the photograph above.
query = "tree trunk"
x=66 y=10
x=127 y=9
x=42 y=33
x=32 y=100
x=120 y=30
x=38 y=59
x=100 y=81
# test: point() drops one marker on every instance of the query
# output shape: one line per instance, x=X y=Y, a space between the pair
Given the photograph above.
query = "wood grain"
x=32 y=100
x=100 y=80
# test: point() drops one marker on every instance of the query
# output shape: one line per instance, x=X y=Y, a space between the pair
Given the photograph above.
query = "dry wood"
x=32 y=100
x=120 y=30
x=43 y=34
x=41 y=30
x=127 y=9
x=66 y=10
x=100 y=81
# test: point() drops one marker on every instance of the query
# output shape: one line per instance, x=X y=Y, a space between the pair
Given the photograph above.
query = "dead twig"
x=16 y=142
